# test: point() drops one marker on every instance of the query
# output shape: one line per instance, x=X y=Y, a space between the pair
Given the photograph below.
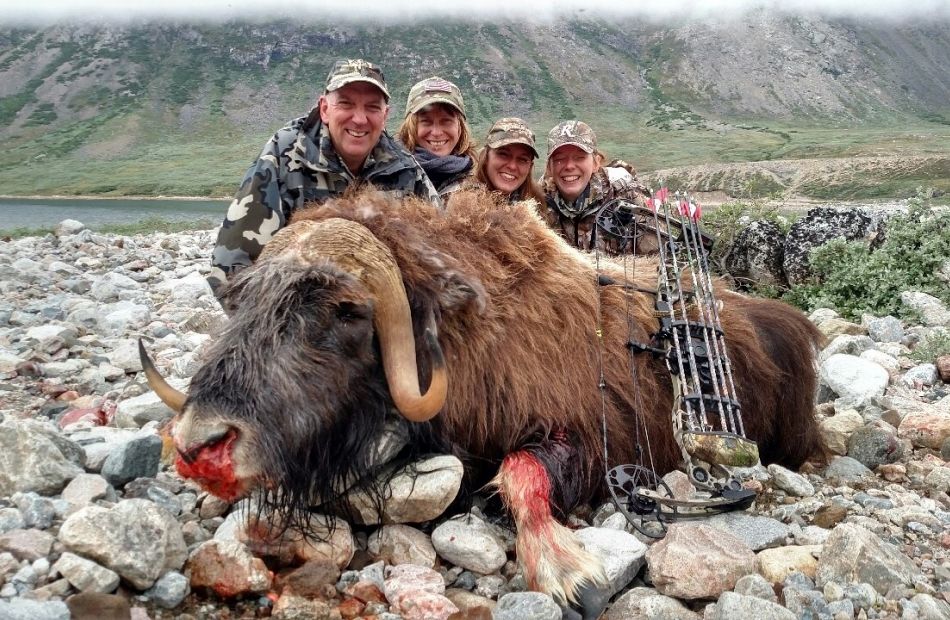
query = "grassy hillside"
x=182 y=109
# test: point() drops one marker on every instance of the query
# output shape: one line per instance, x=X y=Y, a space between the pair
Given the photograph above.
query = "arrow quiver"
x=706 y=415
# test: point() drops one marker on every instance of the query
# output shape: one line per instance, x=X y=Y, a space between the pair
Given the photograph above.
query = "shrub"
x=43 y=114
x=932 y=347
x=142 y=227
x=761 y=185
x=853 y=279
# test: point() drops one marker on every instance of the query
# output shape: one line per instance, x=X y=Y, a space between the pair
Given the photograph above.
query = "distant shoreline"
x=95 y=197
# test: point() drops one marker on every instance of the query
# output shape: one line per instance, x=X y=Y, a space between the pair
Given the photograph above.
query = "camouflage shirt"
x=576 y=221
x=453 y=185
x=299 y=165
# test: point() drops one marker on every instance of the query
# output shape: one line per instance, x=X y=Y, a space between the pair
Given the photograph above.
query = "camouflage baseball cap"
x=510 y=131
x=348 y=71
x=576 y=133
x=434 y=90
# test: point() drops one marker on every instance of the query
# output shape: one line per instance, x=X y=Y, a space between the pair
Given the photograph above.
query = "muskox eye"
x=348 y=312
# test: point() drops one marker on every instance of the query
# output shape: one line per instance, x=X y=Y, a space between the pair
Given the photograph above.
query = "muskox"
x=362 y=302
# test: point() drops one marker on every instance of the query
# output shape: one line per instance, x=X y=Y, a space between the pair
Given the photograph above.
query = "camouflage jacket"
x=299 y=165
x=577 y=222
x=449 y=187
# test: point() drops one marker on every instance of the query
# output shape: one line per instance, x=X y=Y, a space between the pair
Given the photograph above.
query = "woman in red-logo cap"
x=577 y=185
x=436 y=132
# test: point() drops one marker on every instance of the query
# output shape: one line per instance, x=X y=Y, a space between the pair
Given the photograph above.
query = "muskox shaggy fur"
x=518 y=314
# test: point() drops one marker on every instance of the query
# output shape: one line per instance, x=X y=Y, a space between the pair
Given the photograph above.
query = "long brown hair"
x=408 y=131
x=528 y=189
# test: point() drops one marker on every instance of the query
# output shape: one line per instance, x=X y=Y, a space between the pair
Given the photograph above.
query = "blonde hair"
x=528 y=189
x=408 y=131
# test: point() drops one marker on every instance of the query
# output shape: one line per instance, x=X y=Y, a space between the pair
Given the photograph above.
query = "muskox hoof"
x=591 y=603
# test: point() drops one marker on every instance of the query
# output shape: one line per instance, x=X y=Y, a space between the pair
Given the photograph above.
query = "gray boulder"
x=24 y=609
x=819 y=226
x=135 y=538
x=69 y=227
x=875 y=444
x=731 y=605
x=854 y=554
x=34 y=457
x=757 y=254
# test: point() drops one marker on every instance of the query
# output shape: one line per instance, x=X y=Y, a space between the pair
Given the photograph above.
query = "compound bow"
x=707 y=416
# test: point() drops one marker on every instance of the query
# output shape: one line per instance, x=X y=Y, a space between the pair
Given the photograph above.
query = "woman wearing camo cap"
x=577 y=185
x=436 y=132
x=506 y=161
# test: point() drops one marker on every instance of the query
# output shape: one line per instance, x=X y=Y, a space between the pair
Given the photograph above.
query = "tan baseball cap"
x=575 y=133
x=434 y=90
x=358 y=70
x=510 y=130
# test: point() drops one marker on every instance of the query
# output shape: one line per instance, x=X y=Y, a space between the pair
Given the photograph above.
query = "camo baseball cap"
x=510 y=130
x=358 y=70
x=575 y=133
x=434 y=90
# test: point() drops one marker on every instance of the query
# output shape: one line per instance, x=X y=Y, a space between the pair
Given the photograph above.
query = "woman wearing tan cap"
x=577 y=185
x=436 y=132
x=506 y=161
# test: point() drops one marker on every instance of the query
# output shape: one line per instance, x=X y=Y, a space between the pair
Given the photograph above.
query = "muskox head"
x=318 y=350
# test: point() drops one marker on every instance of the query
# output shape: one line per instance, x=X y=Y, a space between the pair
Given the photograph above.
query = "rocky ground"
x=94 y=522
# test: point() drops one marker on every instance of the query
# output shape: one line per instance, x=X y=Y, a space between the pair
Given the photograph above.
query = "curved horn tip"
x=428 y=405
x=144 y=359
x=174 y=399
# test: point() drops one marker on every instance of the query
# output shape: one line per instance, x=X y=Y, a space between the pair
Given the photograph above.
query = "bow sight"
x=707 y=417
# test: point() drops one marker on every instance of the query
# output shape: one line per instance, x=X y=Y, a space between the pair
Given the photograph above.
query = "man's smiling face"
x=355 y=116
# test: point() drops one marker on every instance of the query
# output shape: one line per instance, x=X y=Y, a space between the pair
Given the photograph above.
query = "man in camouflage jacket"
x=575 y=220
x=339 y=145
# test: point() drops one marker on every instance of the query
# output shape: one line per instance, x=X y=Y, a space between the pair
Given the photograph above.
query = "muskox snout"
x=206 y=454
x=191 y=439
x=191 y=447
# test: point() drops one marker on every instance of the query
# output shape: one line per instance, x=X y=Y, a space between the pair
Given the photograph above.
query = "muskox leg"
x=552 y=558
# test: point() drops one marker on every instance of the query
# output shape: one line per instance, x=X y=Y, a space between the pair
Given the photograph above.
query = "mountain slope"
x=171 y=108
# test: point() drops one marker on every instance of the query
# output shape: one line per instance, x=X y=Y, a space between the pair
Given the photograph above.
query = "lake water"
x=94 y=213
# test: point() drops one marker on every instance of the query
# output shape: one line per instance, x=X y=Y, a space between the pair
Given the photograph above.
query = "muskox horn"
x=169 y=395
x=357 y=251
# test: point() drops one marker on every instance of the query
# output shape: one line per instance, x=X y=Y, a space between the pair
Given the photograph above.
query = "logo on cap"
x=438 y=85
x=575 y=133
x=434 y=90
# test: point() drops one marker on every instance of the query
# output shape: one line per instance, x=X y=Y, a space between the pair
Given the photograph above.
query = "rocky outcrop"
x=758 y=255
x=819 y=226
